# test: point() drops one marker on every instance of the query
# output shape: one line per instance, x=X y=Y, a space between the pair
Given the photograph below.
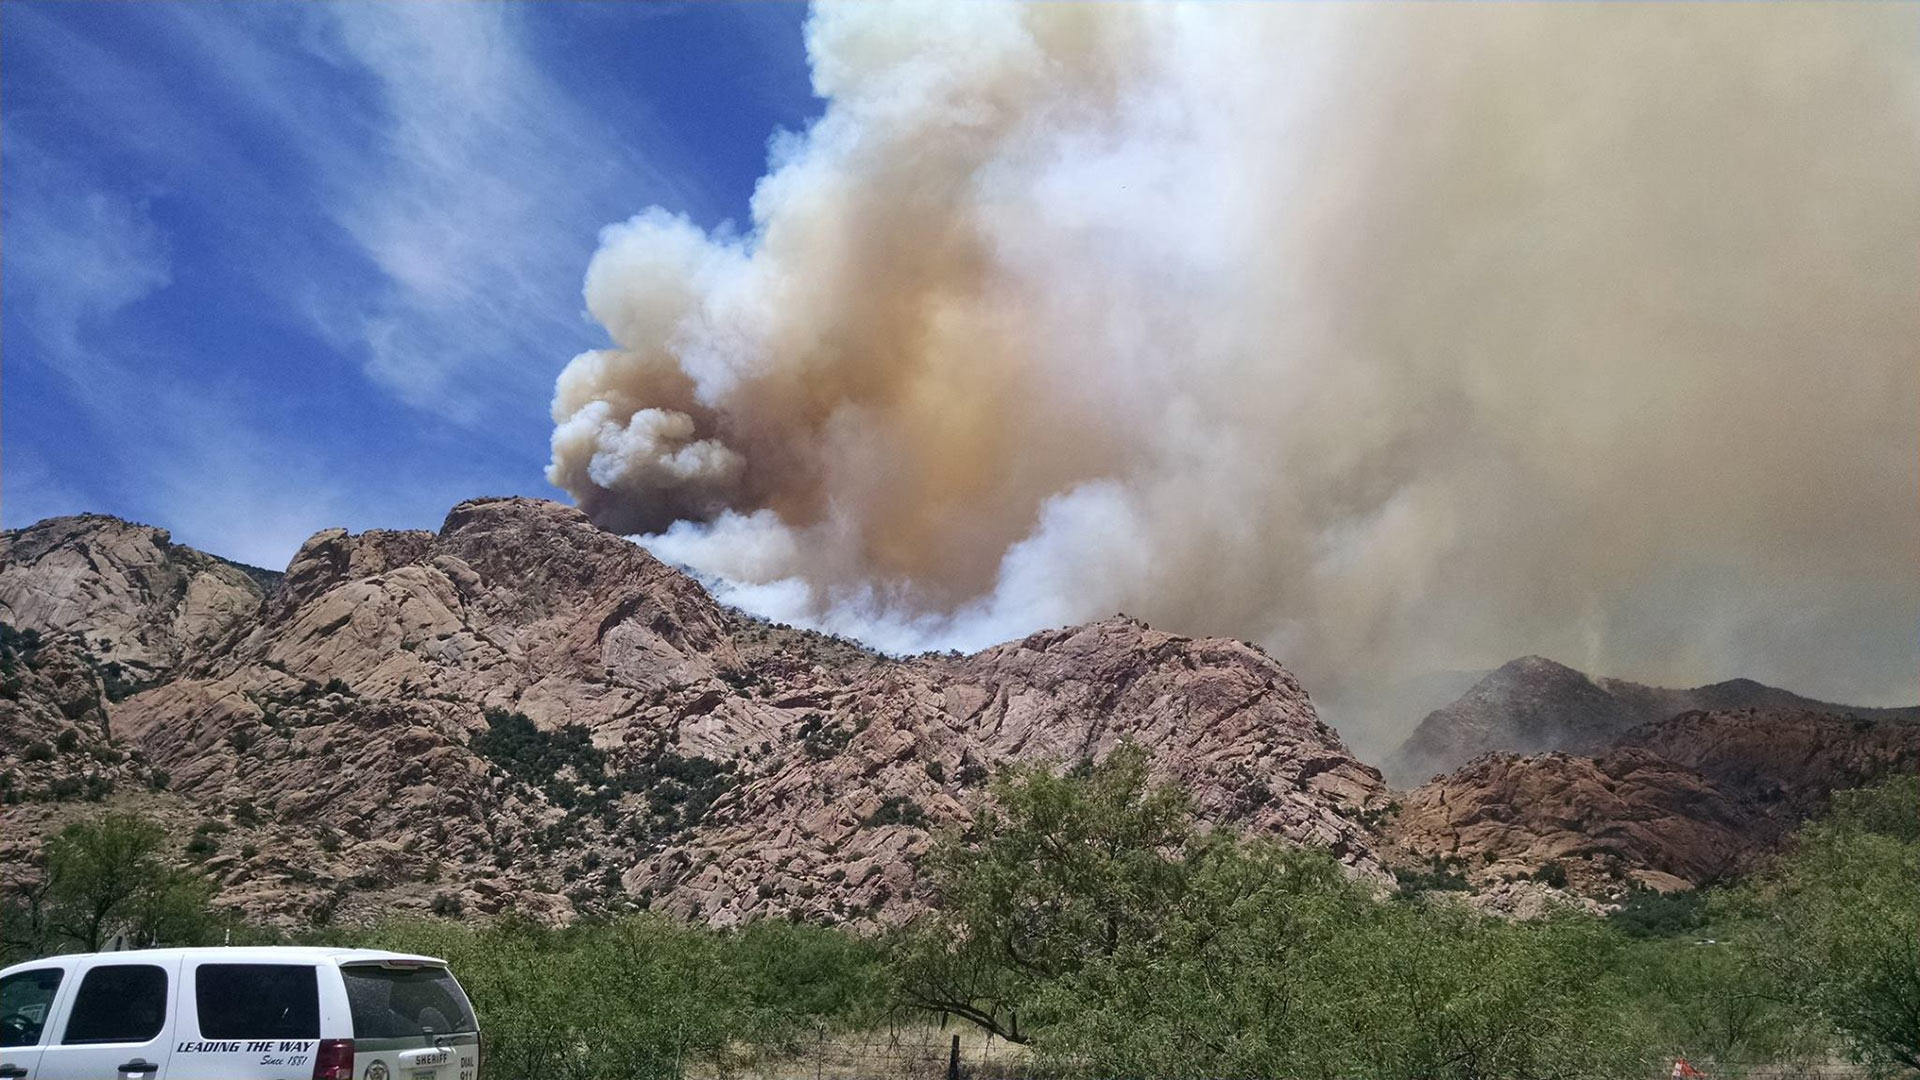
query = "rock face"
x=1675 y=803
x=53 y=723
x=135 y=598
x=1533 y=705
x=524 y=711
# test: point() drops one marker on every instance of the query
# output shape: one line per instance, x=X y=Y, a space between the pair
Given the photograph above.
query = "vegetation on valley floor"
x=1087 y=916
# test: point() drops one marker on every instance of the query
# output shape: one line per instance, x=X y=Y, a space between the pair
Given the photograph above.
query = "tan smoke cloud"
x=1394 y=338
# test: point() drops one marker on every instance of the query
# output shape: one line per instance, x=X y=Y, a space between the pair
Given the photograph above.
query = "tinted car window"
x=400 y=1003
x=118 y=1003
x=25 y=997
x=257 y=1001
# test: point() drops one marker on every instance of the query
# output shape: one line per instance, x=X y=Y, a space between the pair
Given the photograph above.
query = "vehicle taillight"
x=334 y=1061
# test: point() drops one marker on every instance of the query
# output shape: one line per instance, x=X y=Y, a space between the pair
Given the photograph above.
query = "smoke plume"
x=1394 y=338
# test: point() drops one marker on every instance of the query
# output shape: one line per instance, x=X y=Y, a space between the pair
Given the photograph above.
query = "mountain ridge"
x=1686 y=801
x=1533 y=705
x=522 y=710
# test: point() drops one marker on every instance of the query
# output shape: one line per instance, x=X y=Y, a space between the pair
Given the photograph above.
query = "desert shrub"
x=1701 y=1001
x=678 y=790
x=822 y=739
x=1834 y=927
x=16 y=652
x=1274 y=965
x=119 y=683
x=324 y=909
x=898 y=810
x=15 y=644
x=1439 y=875
x=644 y=996
x=1648 y=913
x=1086 y=915
x=972 y=774
x=532 y=756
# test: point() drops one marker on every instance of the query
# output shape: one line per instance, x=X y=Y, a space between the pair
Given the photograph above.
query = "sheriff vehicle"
x=236 y=1014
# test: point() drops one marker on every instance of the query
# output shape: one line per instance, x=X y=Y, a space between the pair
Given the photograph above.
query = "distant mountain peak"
x=1676 y=802
x=1534 y=705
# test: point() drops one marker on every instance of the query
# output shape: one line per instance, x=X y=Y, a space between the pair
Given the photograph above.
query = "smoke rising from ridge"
x=1393 y=338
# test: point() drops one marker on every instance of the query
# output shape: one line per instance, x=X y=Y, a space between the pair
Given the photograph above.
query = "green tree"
x=1054 y=872
x=1274 y=964
x=1697 y=998
x=794 y=979
x=1440 y=991
x=109 y=876
x=24 y=933
x=1086 y=915
x=1231 y=984
x=1835 y=927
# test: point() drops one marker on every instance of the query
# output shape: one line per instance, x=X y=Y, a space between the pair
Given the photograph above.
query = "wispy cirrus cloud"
x=470 y=182
x=75 y=254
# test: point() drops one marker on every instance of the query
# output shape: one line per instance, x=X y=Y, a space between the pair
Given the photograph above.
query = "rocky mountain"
x=1674 y=803
x=1533 y=705
x=521 y=710
x=136 y=599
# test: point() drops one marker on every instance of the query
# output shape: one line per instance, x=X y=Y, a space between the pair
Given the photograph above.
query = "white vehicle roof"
x=241 y=954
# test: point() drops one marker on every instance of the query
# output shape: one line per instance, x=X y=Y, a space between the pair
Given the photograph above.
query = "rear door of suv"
x=412 y=1018
x=252 y=1018
x=114 y=1025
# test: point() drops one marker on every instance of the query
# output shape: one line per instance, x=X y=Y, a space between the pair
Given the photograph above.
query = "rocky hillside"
x=524 y=711
x=1676 y=803
x=136 y=602
x=1533 y=705
x=54 y=734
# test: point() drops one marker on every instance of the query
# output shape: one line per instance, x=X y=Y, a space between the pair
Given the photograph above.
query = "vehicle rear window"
x=24 y=999
x=257 y=1001
x=401 y=1003
x=118 y=1003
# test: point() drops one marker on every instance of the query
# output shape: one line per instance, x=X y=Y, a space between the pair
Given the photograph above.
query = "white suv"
x=236 y=1014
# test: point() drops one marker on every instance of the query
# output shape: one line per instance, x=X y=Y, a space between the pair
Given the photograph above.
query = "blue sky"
x=268 y=268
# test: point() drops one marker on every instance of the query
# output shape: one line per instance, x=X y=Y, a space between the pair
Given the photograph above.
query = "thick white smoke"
x=1394 y=338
